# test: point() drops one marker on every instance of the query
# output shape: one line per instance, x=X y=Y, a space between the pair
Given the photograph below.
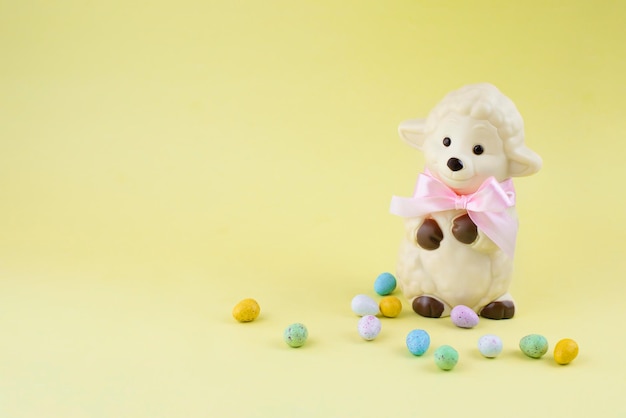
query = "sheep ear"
x=412 y=131
x=524 y=162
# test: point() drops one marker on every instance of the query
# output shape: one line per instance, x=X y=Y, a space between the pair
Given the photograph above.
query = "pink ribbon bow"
x=486 y=207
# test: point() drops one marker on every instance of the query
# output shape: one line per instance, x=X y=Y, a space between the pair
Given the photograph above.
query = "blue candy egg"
x=418 y=341
x=385 y=284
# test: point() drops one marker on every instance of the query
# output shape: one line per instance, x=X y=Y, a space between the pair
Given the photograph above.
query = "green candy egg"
x=446 y=357
x=295 y=335
x=534 y=345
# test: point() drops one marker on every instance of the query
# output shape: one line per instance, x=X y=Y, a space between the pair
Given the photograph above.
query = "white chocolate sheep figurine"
x=461 y=222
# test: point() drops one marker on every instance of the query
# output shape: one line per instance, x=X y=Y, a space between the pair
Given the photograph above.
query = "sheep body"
x=455 y=273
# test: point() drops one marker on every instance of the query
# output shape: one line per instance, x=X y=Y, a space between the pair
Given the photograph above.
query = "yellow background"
x=160 y=161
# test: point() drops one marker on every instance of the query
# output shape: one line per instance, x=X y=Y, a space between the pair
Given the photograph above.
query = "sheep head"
x=474 y=133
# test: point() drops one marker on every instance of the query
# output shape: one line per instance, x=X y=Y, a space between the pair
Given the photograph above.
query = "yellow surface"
x=160 y=161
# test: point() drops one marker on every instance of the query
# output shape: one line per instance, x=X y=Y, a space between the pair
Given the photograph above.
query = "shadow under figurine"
x=461 y=222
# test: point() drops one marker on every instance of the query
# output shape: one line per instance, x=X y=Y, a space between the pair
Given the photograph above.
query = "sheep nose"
x=455 y=164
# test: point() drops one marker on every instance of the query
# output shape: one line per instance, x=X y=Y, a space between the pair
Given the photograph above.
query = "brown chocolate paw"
x=499 y=310
x=429 y=235
x=428 y=307
x=464 y=229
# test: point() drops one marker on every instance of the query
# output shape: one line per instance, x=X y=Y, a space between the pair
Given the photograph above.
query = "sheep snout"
x=455 y=164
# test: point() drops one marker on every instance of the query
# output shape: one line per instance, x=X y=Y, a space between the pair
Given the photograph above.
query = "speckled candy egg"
x=390 y=306
x=464 y=317
x=418 y=341
x=364 y=305
x=446 y=357
x=369 y=327
x=295 y=335
x=490 y=345
x=565 y=351
x=246 y=310
x=534 y=345
x=385 y=284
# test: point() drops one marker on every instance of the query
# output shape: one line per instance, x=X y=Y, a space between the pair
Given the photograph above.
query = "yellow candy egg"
x=565 y=351
x=246 y=310
x=390 y=306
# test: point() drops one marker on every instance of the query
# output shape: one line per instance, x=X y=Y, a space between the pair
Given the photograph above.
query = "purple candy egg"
x=464 y=317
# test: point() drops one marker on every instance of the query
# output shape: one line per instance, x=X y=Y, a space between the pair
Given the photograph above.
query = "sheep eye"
x=478 y=149
x=446 y=142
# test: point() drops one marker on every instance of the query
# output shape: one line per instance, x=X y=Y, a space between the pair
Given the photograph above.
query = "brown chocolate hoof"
x=464 y=229
x=428 y=307
x=429 y=235
x=499 y=310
